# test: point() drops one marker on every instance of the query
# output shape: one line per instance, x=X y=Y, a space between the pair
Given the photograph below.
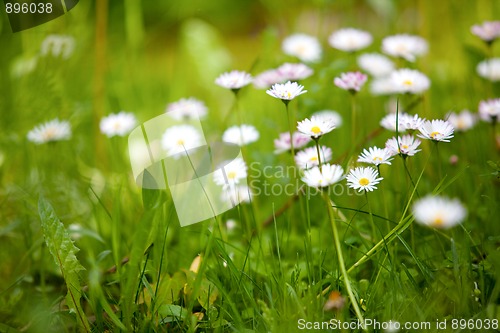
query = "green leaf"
x=63 y=251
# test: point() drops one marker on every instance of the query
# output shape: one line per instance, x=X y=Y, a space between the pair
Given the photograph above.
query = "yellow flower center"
x=364 y=181
x=405 y=146
x=289 y=94
x=116 y=126
x=180 y=142
x=50 y=133
x=313 y=158
x=231 y=175
x=435 y=134
x=316 y=130
x=438 y=221
x=408 y=83
x=376 y=158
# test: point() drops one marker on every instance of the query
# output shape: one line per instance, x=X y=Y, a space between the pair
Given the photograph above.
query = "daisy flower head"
x=439 y=212
x=350 y=39
x=308 y=158
x=315 y=127
x=328 y=175
x=351 y=81
x=405 y=46
x=294 y=72
x=187 y=109
x=286 y=91
x=489 y=69
x=51 y=131
x=118 y=124
x=282 y=144
x=231 y=174
x=376 y=156
x=436 y=130
x=363 y=179
x=489 y=110
x=237 y=194
x=409 y=122
x=462 y=121
x=332 y=115
x=241 y=135
x=375 y=64
x=488 y=31
x=405 y=145
x=234 y=80
x=267 y=78
x=390 y=120
x=179 y=139
x=58 y=46
x=305 y=47
x=409 y=81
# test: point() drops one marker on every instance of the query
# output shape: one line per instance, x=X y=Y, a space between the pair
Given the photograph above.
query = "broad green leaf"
x=63 y=251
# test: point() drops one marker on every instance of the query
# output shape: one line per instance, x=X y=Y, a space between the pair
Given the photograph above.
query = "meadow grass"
x=125 y=263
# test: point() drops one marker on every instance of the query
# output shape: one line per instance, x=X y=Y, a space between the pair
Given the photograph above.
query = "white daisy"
x=237 y=194
x=409 y=81
x=282 y=144
x=350 y=39
x=118 y=124
x=436 y=130
x=405 y=46
x=439 y=212
x=180 y=138
x=287 y=91
x=376 y=64
x=305 y=47
x=51 y=131
x=294 y=72
x=409 y=122
x=489 y=110
x=315 y=127
x=241 y=135
x=375 y=155
x=186 y=109
x=405 y=145
x=329 y=174
x=382 y=86
x=58 y=46
x=389 y=121
x=489 y=69
x=332 y=115
x=488 y=31
x=231 y=174
x=308 y=158
x=233 y=80
x=351 y=81
x=462 y=121
x=267 y=78
x=363 y=179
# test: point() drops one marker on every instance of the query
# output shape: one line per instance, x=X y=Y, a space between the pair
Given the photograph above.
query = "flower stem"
x=319 y=155
x=353 y=119
x=371 y=215
x=291 y=130
x=343 y=270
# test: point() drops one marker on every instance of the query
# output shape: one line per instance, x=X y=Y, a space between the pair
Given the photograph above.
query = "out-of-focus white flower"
x=405 y=46
x=315 y=127
x=462 y=121
x=118 y=124
x=436 y=130
x=389 y=121
x=51 y=131
x=241 y=135
x=231 y=174
x=382 y=86
x=23 y=66
x=409 y=81
x=305 y=47
x=375 y=155
x=376 y=64
x=439 y=212
x=351 y=81
x=363 y=179
x=332 y=115
x=233 y=80
x=409 y=122
x=231 y=224
x=328 y=175
x=294 y=72
x=405 y=145
x=282 y=144
x=489 y=69
x=180 y=138
x=58 y=46
x=489 y=110
x=308 y=158
x=488 y=31
x=186 y=109
x=287 y=91
x=350 y=39
x=237 y=194
x=267 y=78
